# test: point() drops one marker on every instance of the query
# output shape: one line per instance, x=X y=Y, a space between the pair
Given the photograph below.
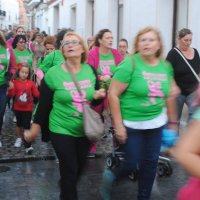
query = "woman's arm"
x=41 y=119
x=171 y=106
x=187 y=150
x=115 y=90
x=30 y=135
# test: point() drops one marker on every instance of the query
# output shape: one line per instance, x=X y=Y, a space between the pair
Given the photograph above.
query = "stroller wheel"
x=169 y=169
x=161 y=169
x=133 y=175
x=109 y=162
x=112 y=161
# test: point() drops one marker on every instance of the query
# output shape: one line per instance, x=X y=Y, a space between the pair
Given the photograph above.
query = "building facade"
x=123 y=17
x=9 y=14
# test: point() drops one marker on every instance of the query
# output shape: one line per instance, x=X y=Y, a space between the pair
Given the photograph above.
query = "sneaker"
x=0 y=143
x=14 y=119
x=29 y=150
x=18 y=142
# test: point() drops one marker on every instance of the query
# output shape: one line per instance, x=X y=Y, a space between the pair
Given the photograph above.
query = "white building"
x=9 y=13
x=123 y=17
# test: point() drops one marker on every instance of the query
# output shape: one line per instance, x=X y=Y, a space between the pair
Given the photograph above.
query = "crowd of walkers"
x=140 y=92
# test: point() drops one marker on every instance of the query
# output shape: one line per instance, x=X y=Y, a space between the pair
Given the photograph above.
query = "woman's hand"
x=173 y=126
x=27 y=136
x=30 y=135
x=11 y=85
x=100 y=94
x=120 y=134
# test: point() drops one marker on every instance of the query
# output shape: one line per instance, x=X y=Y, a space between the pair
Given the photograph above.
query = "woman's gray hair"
x=183 y=32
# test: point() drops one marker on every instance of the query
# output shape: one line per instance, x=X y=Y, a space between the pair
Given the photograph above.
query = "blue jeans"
x=188 y=100
x=2 y=104
x=141 y=150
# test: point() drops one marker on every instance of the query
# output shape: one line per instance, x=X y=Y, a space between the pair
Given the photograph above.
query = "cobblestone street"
x=36 y=178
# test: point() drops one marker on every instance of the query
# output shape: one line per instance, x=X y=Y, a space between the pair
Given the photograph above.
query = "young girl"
x=23 y=92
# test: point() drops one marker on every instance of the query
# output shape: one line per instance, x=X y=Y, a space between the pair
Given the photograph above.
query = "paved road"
x=38 y=179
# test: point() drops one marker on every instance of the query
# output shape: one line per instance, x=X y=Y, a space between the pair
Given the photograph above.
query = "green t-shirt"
x=39 y=61
x=66 y=114
x=107 y=66
x=148 y=87
x=3 y=64
x=25 y=56
x=50 y=60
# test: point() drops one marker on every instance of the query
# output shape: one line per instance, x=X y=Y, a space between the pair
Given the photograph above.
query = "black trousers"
x=71 y=153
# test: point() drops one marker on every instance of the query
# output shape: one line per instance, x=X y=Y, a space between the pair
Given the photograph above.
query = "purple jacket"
x=93 y=57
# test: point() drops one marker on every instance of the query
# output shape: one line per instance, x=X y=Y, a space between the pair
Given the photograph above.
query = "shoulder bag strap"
x=8 y=57
x=195 y=74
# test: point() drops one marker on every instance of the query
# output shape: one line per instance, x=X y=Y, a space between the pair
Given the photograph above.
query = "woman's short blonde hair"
x=146 y=30
x=84 y=55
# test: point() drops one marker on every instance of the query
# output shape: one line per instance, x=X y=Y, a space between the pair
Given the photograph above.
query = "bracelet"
x=173 y=122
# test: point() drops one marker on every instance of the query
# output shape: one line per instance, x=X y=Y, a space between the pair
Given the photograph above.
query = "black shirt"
x=184 y=77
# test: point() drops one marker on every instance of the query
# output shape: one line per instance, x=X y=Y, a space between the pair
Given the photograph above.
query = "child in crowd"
x=23 y=92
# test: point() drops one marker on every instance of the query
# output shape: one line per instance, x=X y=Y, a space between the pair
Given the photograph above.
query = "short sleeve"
x=50 y=77
x=170 y=69
x=124 y=71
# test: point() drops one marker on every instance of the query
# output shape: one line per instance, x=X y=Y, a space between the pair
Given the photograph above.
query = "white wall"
x=12 y=9
x=136 y=15
x=105 y=16
x=157 y=13
x=164 y=22
x=194 y=22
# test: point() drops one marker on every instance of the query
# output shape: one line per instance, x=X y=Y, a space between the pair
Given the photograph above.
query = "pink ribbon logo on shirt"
x=77 y=99
x=155 y=91
x=1 y=66
x=106 y=70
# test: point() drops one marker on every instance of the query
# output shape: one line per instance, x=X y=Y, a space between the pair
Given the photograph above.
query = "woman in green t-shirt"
x=23 y=54
x=61 y=105
x=138 y=95
x=7 y=71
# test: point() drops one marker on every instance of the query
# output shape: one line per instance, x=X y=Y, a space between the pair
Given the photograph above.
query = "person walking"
x=20 y=31
x=39 y=48
x=23 y=92
x=7 y=71
x=50 y=45
x=123 y=47
x=23 y=55
x=61 y=105
x=55 y=57
x=183 y=75
x=104 y=59
x=139 y=93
